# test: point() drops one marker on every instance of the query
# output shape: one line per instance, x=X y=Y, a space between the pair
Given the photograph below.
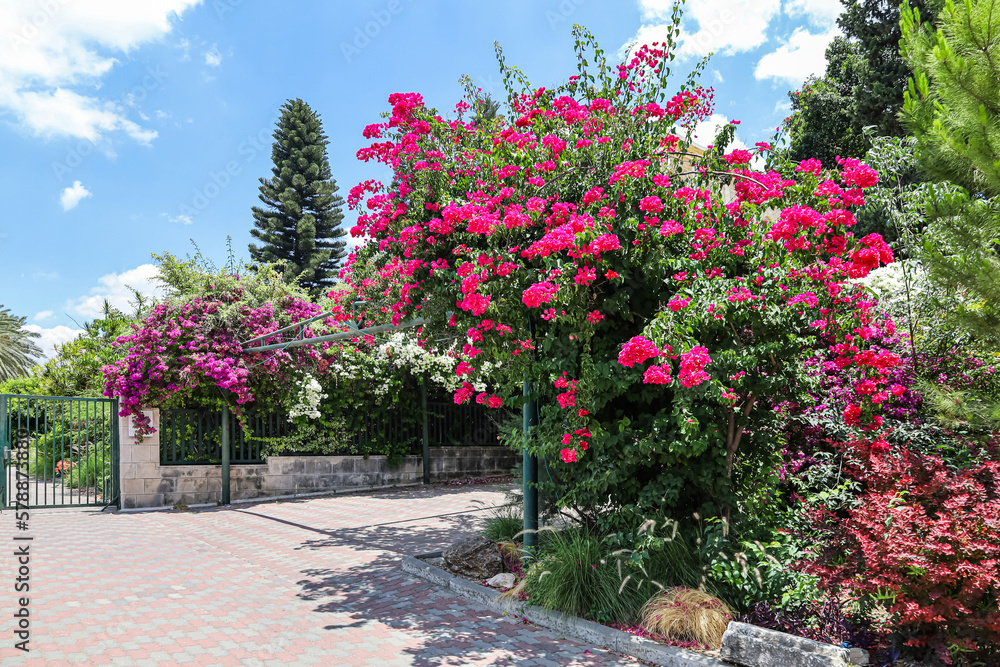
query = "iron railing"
x=194 y=436
x=58 y=451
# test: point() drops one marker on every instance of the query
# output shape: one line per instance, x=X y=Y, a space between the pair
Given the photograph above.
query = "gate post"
x=427 y=445
x=5 y=447
x=225 y=454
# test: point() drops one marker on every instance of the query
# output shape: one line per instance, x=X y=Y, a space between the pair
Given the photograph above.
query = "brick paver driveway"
x=284 y=583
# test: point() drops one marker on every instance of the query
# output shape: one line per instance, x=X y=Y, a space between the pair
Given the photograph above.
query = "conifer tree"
x=299 y=225
x=862 y=87
x=953 y=108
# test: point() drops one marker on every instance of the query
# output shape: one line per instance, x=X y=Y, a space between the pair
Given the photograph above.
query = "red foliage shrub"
x=925 y=540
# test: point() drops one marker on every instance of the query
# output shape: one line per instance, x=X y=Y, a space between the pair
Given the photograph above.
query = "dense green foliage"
x=953 y=108
x=17 y=346
x=299 y=224
x=861 y=88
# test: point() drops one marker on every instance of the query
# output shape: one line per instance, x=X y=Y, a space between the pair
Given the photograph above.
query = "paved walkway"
x=310 y=582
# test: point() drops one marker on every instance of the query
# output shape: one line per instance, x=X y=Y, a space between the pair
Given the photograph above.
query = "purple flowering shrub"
x=190 y=346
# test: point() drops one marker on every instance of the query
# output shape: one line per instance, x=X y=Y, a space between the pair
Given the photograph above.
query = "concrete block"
x=425 y=571
x=147 y=470
x=133 y=487
x=159 y=486
x=669 y=656
x=579 y=628
x=150 y=500
x=751 y=646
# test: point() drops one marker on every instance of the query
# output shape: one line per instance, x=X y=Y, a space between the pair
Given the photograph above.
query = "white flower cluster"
x=403 y=352
x=378 y=365
x=889 y=282
x=307 y=401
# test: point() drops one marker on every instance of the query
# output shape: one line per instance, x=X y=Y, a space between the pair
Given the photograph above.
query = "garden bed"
x=570 y=626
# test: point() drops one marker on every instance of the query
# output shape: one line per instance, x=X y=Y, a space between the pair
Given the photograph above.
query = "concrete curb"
x=569 y=626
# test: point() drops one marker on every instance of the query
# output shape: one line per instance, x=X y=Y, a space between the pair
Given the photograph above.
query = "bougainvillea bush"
x=188 y=352
x=651 y=296
x=189 y=347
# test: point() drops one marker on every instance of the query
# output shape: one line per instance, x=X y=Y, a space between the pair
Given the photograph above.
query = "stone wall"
x=145 y=483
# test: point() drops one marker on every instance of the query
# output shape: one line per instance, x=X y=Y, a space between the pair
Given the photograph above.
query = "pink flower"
x=852 y=414
x=858 y=173
x=671 y=227
x=538 y=294
x=495 y=402
x=693 y=364
x=464 y=394
x=807 y=298
x=636 y=351
x=463 y=368
x=585 y=275
x=474 y=303
x=605 y=242
x=810 y=166
x=738 y=156
x=594 y=316
x=657 y=375
x=568 y=455
x=678 y=303
x=651 y=204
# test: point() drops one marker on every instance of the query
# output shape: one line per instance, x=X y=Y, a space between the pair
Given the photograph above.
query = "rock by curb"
x=749 y=645
x=569 y=626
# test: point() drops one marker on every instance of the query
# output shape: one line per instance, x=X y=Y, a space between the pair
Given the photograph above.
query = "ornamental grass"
x=685 y=614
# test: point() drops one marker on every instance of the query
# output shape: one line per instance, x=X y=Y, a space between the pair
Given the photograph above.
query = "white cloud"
x=705 y=131
x=179 y=219
x=821 y=13
x=51 y=48
x=725 y=27
x=801 y=56
x=50 y=338
x=43 y=315
x=656 y=9
x=116 y=289
x=213 y=58
x=717 y=75
x=71 y=196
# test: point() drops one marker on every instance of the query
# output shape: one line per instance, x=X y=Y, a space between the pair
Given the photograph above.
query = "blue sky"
x=128 y=128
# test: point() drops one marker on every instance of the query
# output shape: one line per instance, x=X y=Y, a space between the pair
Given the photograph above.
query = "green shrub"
x=610 y=579
x=504 y=523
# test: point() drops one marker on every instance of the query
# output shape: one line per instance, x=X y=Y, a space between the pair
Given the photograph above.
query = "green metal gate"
x=58 y=451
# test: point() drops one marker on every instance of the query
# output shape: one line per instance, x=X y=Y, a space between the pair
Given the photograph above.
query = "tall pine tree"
x=862 y=87
x=953 y=108
x=299 y=226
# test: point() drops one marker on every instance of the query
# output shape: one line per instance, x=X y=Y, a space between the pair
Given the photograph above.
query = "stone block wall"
x=145 y=483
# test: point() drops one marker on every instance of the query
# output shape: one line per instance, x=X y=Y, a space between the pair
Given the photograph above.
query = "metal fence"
x=58 y=451
x=195 y=436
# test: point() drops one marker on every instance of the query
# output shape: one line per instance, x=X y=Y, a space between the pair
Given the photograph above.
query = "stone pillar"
x=140 y=464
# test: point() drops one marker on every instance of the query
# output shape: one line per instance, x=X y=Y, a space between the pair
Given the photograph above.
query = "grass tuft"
x=684 y=614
